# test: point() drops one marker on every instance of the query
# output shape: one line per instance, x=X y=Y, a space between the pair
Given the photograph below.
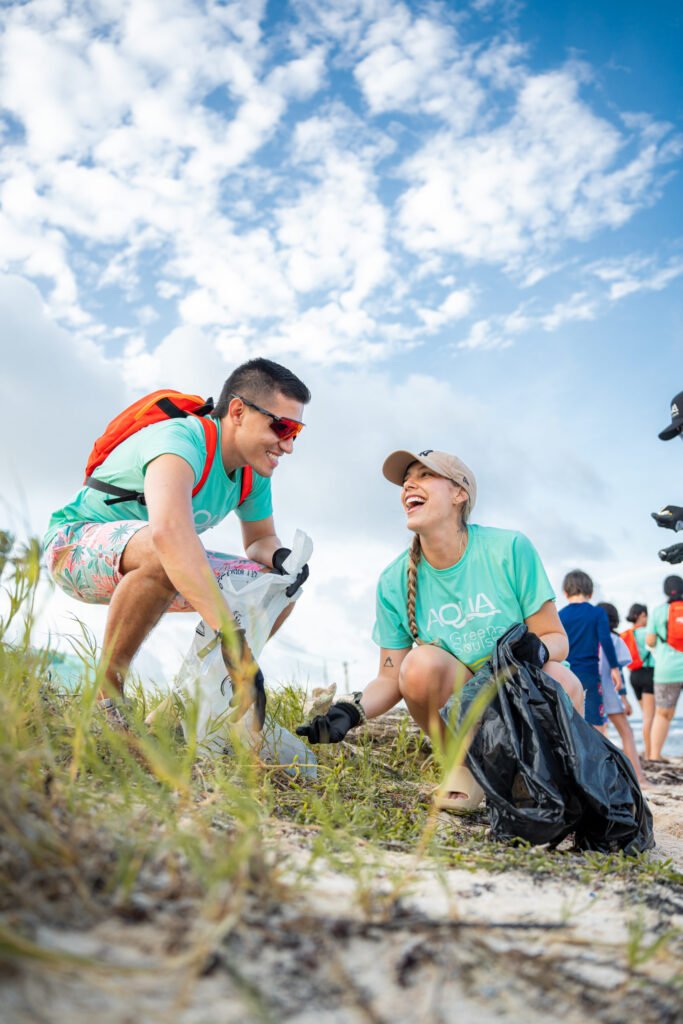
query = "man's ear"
x=236 y=410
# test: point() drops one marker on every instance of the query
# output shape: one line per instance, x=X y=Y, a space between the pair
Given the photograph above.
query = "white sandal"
x=460 y=780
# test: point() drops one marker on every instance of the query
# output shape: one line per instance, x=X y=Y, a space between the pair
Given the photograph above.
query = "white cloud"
x=637 y=273
x=416 y=64
x=200 y=154
x=499 y=332
x=548 y=173
x=485 y=335
x=60 y=385
x=333 y=234
x=456 y=305
x=577 y=307
x=329 y=334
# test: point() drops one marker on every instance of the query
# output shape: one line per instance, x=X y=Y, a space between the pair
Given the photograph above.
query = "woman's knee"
x=417 y=674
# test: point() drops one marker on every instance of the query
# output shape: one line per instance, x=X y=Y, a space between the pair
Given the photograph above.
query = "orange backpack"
x=629 y=638
x=674 y=628
x=153 y=408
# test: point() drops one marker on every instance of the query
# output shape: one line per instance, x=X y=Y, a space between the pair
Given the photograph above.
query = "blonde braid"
x=413 y=559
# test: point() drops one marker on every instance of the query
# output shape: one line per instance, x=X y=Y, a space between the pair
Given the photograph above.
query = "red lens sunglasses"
x=282 y=426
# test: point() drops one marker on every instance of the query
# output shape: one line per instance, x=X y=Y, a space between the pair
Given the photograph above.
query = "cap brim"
x=670 y=432
x=396 y=464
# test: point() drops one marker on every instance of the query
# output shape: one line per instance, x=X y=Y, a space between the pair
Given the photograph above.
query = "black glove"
x=278 y=559
x=332 y=727
x=668 y=517
x=247 y=680
x=531 y=649
x=674 y=554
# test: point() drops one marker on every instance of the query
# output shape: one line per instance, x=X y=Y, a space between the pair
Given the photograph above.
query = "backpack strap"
x=247 y=484
x=120 y=494
x=170 y=409
x=211 y=434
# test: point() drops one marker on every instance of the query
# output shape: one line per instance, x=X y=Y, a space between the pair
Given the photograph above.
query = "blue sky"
x=459 y=223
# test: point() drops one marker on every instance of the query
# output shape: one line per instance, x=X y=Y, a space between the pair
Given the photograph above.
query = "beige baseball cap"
x=450 y=466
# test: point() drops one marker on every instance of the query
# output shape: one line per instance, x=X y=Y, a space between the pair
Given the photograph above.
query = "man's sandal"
x=115 y=713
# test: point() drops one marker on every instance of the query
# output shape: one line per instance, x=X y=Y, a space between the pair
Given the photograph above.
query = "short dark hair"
x=577 y=582
x=612 y=614
x=635 y=611
x=256 y=380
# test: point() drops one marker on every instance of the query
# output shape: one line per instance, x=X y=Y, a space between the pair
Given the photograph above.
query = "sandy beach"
x=403 y=940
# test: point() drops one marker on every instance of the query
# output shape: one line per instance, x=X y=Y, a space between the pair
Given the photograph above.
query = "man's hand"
x=531 y=649
x=332 y=727
x=279 y=557
x=669 y=517
x=247 y=679
x=674 y=554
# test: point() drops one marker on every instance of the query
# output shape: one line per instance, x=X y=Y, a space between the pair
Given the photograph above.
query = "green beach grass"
x=94 y=822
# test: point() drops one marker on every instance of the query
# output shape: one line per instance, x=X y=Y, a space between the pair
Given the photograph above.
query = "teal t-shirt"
x=126 y=467
x=643 y=649
x=668 y=661
x=499 y=580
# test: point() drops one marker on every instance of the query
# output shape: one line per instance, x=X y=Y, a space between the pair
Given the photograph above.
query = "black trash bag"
x=545 y=771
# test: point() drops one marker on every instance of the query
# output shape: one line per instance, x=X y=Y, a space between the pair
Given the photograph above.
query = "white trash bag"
x=255 y=599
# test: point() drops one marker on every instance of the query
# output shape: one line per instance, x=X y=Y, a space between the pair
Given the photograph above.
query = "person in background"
x=665 y=637
x=615 y=701
x=641 y=668
x=587 y=629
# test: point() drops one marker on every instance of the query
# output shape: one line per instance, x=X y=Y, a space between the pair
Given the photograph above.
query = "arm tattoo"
x=388 y=663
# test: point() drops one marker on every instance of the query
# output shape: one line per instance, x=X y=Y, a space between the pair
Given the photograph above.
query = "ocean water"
x=674 y=741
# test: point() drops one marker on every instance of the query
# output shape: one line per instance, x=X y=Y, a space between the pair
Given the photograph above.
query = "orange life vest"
x=674 y=628
x=629 y=638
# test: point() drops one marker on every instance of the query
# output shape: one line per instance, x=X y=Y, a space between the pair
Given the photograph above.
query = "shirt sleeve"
x=532 y=583
x=259 y=503
x=173 y=437
x=389 y=630
x=605 y=638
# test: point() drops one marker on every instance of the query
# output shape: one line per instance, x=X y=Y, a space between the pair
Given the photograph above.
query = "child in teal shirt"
x=668 y=680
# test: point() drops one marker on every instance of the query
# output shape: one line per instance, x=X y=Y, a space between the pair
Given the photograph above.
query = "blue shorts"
x=594 y=710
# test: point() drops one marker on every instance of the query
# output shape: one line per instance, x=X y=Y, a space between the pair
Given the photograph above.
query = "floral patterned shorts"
x=84 y=560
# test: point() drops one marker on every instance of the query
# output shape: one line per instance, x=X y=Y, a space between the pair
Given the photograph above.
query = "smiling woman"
x=443 y=603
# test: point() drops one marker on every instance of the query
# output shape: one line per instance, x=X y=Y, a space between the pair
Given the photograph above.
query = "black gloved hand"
x=668 y=517
x=248 y=684
x=278 y=559
x=531 y=649
x=332 y=727
x=674 y=554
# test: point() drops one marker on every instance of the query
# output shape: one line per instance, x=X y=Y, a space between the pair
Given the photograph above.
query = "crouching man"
x=130 y=537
